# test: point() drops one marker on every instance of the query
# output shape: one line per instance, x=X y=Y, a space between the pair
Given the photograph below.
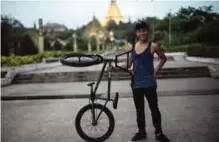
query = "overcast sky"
x=75 y=13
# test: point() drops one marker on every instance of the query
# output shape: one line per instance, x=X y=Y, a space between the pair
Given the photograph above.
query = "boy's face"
x=142 y=34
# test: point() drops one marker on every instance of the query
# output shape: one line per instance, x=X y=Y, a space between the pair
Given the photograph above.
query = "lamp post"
x=75 y=48
x=41 y=36
x=170 y=29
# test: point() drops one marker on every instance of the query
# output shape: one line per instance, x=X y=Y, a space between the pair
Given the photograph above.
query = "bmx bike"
x=95 y=109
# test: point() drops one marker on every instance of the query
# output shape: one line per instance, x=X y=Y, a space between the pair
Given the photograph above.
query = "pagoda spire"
x=114 y=14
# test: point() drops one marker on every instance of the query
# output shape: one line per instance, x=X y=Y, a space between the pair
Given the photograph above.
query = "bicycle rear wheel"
x=110 y=119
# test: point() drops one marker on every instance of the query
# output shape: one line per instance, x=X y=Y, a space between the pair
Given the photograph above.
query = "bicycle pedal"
x=115 y=101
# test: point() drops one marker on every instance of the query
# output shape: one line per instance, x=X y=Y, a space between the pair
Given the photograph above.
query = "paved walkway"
x=184 y=119
x=123 y=87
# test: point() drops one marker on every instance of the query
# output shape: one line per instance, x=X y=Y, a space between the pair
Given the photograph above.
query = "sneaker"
x=161 y=137
x=139 y=136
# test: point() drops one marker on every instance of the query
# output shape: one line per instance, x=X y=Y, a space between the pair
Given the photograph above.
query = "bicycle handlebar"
x=94 y=59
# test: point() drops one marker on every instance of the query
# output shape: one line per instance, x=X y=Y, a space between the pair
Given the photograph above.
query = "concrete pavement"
x=184 y=119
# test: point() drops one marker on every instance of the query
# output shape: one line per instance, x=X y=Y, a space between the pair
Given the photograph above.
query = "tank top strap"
x=149 y=46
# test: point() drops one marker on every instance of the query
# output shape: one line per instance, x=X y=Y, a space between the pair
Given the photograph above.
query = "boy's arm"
x=125 y=65
x=161 y=55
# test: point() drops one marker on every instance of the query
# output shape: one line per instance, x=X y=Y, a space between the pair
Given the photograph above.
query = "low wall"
x=176 y=54
x=7 y=80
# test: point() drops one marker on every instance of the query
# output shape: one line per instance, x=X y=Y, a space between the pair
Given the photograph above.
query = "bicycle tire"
x=88 y=108
x=96 y=59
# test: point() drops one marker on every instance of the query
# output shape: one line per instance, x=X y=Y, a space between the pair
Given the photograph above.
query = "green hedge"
x=181 y=48
x=21 y=60
x=196 y=49
x=202 y=50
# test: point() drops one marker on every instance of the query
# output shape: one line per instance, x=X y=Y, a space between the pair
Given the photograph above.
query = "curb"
x=46 y=97
x=121 y=95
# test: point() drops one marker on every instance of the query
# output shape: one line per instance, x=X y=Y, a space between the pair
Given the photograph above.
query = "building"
x=94 y=28
x=54 y=27
x=113 y=14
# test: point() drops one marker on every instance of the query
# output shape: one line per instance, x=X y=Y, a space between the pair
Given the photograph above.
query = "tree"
x=111 y=25
x=209 y=33
x=159 y=35
x=69 y=46
x=83 y=44
x=57 y=45
x=47 y=45
x=64 y=35
x=9 y=27
x=26 y=47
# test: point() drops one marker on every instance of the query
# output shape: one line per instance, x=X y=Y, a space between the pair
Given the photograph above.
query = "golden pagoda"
x=94 y=28
x=113 y=14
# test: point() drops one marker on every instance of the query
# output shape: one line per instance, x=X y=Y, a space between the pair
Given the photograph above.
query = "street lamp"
x=111 y=34
x=111 y=38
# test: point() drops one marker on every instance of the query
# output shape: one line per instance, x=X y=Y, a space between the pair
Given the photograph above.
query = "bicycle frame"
x=93 y=93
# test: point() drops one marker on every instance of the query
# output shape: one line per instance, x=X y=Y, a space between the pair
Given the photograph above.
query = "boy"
x=144 y=81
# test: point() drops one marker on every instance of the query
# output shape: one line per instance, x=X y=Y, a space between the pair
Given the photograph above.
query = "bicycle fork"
x=92 y=98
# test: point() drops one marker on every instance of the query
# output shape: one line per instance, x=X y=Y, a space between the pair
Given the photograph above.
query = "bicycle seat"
x=90 y=84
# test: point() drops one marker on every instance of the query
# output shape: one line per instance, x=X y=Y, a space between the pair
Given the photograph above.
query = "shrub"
x=203 y=50
x=179 y=48
x=196 y=49
x=26 y=47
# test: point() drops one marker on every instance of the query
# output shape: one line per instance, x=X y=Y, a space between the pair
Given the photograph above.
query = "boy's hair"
x=141 y=25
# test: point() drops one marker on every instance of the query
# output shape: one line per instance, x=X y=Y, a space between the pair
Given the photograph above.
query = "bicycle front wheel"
x=106 y=123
